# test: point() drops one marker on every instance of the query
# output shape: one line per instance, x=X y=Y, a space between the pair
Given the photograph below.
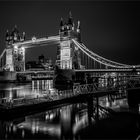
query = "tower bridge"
x=105 y=76
x=72 y=54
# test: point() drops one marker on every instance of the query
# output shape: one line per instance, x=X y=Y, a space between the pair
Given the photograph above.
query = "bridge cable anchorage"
x=100 y=59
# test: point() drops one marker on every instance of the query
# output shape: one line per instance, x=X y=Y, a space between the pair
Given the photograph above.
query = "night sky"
x=110 y=29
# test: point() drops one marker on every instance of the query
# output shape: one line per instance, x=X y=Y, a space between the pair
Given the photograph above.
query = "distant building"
x=41 y=59
x=34 y=65
x=41 y=64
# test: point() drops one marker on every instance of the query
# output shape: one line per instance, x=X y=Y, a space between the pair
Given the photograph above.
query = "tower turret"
x=70 y=21
x=78 y=30
x=23 y=35
x=22 y=38
x=65 y=26
x=68 y=55
x=15 y=34
x=65 y=29
x=78 y=27
x=73 y=26
x=61 y=25
x=7 y=36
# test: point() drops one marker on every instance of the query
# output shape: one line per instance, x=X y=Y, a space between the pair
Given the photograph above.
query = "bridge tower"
x=67 y=53
x=14 y=55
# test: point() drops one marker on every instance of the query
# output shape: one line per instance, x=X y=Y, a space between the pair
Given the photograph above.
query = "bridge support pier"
x=97 y=109
x=90 y=108
x=93 y=109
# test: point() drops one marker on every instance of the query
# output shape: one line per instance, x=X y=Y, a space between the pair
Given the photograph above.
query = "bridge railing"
x=92 y=88
x=119 y=91
x=133 y=82
x=46 y=97
x=121 y=85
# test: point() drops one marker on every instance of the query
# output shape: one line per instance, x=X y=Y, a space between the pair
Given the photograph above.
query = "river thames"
x=66 y=121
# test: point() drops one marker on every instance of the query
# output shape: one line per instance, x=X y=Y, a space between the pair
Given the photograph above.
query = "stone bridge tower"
x=68 y=54
x=15 y=55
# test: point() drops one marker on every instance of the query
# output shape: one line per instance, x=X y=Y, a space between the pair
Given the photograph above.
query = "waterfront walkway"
x=114 y=91
x=55 y=95
x=88 y=93
x=7 y=103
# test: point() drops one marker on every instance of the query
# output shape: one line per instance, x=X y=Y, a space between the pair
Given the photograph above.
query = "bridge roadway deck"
x=40 y=71
x=23 y=107
x=39 y=42
x=107 y=70
x=83 y=70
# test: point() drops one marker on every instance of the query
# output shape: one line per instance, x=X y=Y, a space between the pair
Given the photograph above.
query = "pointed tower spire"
x=15 y=34
x=15 y=26
x=7 y=32
x=73 y=26
x=61 y=25
x=22 y=37
x=70 y=14
x=15 y=30
x=61 y=22
x=78 y=31
x=7 y=36
x=70 y=20
x=65 y=26
x=78 y=26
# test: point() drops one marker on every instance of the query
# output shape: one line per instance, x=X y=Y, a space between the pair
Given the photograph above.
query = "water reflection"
x=103 y=101
x=59 y=123
x=38 y=85
x=30 y=90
